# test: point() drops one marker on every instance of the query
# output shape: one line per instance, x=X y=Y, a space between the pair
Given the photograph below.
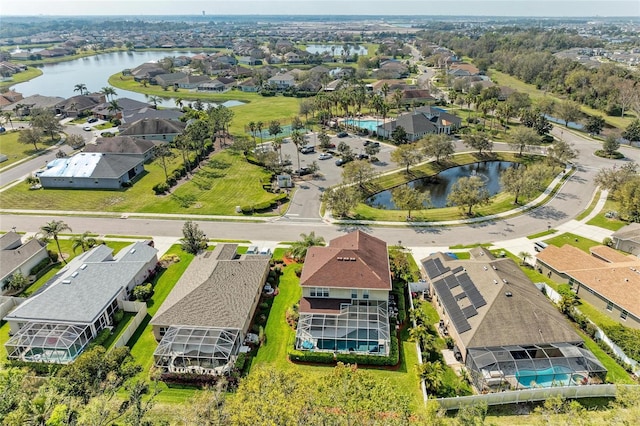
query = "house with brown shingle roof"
x=204 y=320
x=607 y=279
x=507 y=332
x=345 y=297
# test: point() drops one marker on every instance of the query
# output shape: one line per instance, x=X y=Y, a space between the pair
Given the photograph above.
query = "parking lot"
x=306 y=202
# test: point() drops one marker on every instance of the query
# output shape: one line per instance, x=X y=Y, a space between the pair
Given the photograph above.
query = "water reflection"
x=440 y=185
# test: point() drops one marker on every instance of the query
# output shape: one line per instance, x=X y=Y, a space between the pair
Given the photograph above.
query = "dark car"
x=363 y=157
x=92 y=120
x=342 y=134
x=2 y=130
x=303 y=171
x=342 y=161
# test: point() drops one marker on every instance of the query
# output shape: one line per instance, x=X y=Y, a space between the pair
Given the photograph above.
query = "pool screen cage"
x=197 y=350
x=45 y=342
x=361 y=327
x=527 y=366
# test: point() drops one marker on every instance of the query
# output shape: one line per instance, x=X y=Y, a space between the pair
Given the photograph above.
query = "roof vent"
x=494 y=267
x=485 y=268
x=353 y=259
x=508 y=294
x=504 y=280
x=75 y=274
x=132 y=251
x=338 y=258
x=495 y=281
x=83 y=266
x=66 y=281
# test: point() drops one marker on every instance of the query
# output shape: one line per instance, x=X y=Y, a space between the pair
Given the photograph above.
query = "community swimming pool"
x=557 y=375
x=370 y=125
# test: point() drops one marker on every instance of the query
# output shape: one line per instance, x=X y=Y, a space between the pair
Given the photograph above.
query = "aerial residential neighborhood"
x=301 y=216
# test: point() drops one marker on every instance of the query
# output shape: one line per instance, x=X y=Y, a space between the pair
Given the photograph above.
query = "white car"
x=325 y=156
x=87 y=128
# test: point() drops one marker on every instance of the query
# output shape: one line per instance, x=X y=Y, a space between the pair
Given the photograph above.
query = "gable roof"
x=154 y=126
x=91 y=165
x=10 y=240
x=78 y=293
x=355 y=260
x=412 y=123
x=10 y=259
x=120 y=145
x=614 y=277
x=631 y=232
x=216 y=290
x=515 y=313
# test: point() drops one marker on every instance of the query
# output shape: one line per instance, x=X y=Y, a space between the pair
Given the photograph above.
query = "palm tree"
x=298 y=140
x=259 y=126
x=155 y=100
x=84 y=242
x=433 y=374
x=252 y=129
x=108 y=91
x=524 y=256
x=114 y=107
x=52 y=230
x=80 y=87
x=7 y=118
x=179 y=103
x=298 y=250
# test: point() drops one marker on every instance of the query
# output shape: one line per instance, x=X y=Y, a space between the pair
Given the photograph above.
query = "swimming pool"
x=557 y=375
x=370 y=125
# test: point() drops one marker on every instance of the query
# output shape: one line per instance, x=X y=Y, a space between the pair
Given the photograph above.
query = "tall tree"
x=30 y=136
x=614 y=178
x=439 y=146
x=81 y=88
x=44 y=120
x=52 y=230
x=561 y=152
x=108 y=91
x=433 y=375
x=399 y=136
x=114 y=108
x=298 y=140
x=629 y=197
x=610 y=145
x=341 y=201
x=595 y=124
x=468 y=192
x=523 y=137
x=478 y=141
x=154 y=100
x=357 y=173
x=406 y=155
x=193 y=240
x=161 y=153
x=408 y=198
x=568 y=111
x=627 y=94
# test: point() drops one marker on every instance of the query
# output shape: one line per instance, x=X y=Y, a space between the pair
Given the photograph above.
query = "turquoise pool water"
x=553 y=376
x=370 y=125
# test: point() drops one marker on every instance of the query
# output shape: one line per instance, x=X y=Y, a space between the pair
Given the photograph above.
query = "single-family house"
x=154 y=128
x=203 y=322
x=79 y=104
x=627 y=239
x=249 y=85
x=249 y=60
x=56 y=323
x=36 y=102
x=127 y=106
x=92 y=171
x=16 y=256
x=126 y=145
x=192 y=81
x=507 y=333
x=168 y=79
x=147 y=71
x=606 y=279
x=292 y=58
x=150 y=113
x=345 y=297
x=282 y=81
x=463 y=70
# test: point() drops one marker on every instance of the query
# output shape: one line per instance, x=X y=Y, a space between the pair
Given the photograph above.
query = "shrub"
x=41 y=368
x=199 y=380
x=263 y=306
x=142 y=292
x=449 y=342
x=53 y=255
x=240 y=361
x=118 y=316
x=177 y=175
x=160 y=188
x=298 y=270
x=100 y=338
x=171 y=181
x=246 y=209
x=43 y=264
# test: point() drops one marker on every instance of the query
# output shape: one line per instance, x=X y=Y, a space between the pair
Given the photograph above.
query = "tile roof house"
x=345 y=293
x=16 y=256
x=154 y=129
x=57 y=322
x=91 y=171
x=508 y=333
x=139 y=148
x=627 y=239
x=204 y=320
x=607 y=279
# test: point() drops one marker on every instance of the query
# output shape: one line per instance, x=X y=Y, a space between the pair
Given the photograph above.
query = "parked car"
x=87 y=128
x=363 y=157
x=92 y=120
x=302 y=171
x=342 y=161
x=342 y=134
x=372 y=143
x=325 y=156
x=307 y=149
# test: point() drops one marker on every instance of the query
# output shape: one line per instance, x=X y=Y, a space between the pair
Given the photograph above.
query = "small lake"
x=326 y=48
x=59 y=79
x=440 y=185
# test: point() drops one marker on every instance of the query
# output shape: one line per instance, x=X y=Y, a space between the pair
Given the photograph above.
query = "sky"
x=524 y=8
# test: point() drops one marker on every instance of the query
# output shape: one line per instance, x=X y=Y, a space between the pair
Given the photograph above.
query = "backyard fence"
x=141 y=309
x=555 y=297
x=7 y=303
x=531 y=395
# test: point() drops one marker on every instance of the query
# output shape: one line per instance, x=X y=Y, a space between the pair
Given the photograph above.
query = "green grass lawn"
x=21 y=77
x=256 y=107
x=615 y=372
x=603 y=222
x=535 y=93
x=574 y=240
x=542 y=234
x=279 y=336
x=16 y=151
x=591 y=206
x=228 y=180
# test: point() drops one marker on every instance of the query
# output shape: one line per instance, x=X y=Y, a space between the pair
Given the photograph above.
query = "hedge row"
x=40 y=368
x=348 y=358
x=265 y=205
x=199 y=380
x=626 y=338
x=42 y=265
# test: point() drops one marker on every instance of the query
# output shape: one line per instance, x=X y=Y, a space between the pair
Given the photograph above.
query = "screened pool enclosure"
x=362 y=328
x=522 y=367
x=198 y=350
x=53 y=343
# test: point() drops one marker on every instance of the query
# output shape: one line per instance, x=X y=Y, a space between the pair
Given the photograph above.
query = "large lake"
x=94 y=71
x=439 y=188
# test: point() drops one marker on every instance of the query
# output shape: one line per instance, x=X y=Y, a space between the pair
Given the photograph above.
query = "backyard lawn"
x=21 y=77
x=574 y=240
x=279 y=336
x=220 y=185
x=16 y=151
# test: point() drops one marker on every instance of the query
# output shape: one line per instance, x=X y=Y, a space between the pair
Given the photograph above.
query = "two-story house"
x=345 y=296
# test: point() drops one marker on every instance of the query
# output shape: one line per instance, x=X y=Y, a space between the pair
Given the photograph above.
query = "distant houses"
x=18 y=256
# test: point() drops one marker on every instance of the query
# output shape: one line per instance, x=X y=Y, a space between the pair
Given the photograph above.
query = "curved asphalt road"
x=572 y=199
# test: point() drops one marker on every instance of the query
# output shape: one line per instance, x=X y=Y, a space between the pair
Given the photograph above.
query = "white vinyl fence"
x=7 y=303
x=141 y=309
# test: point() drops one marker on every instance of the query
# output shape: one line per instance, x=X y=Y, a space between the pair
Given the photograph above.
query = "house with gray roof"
x=509 y=335
x=127 y=107
x=79 y=104
x=154 y=128
x=139 y=148
x=150 y=113
x=16 y=256
x=421 y=122
x=56 y=323
x=204 y=320
x=627 y=239
x=36 y=102
x=92 y=170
